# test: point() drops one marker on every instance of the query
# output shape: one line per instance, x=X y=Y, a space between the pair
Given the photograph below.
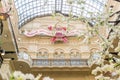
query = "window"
x=42 y=53
x=59 y=53
x=23 y=55
x=28 y=9
x=93 y=58
x=75 y=53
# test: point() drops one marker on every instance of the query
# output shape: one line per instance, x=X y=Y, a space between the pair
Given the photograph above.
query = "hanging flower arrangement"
x=18 y=75
x=108 y=64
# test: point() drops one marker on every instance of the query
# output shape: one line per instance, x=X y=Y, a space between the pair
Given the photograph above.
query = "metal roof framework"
x=30 y=9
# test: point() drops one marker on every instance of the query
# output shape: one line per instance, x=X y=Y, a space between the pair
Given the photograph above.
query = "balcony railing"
x=60 y=62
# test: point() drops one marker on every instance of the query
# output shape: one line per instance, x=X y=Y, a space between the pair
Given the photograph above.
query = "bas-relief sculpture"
x=57 y=33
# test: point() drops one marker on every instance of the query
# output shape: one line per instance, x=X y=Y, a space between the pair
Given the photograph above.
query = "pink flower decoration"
x=50 y=28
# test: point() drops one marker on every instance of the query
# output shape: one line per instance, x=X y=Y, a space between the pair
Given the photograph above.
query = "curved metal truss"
x=29 y=9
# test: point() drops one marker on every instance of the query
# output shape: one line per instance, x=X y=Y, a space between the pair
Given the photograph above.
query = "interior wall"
x=33 y=44
x=68 y=75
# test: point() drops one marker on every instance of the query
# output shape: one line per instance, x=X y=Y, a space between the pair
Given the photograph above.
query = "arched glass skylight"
x=29 y=9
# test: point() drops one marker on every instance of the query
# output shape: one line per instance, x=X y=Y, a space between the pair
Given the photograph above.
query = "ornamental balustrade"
x=60 y=62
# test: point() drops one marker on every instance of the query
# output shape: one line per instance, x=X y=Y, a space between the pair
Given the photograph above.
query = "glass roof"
x=29 y=9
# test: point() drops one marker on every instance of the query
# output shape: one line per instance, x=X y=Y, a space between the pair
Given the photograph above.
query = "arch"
x=43 y=53
x=59 y=53
x=94 y=55
x=93 y=50
x=43 y=49
x=23 y=49
x=24 y=55
x=75 y=53
x=93 y=58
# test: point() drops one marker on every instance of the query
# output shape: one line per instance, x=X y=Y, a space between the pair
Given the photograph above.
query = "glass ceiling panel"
x=29 y=9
